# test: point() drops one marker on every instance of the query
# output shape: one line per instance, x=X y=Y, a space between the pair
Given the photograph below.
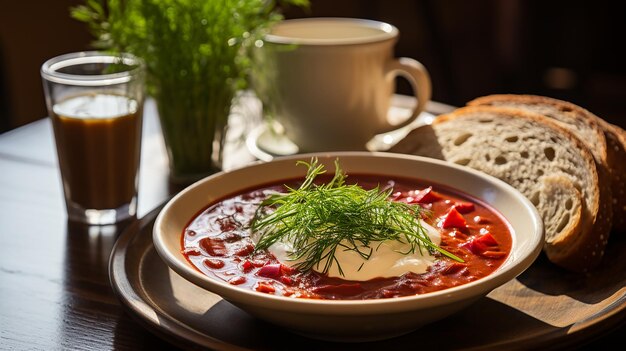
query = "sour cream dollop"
x=388 y=259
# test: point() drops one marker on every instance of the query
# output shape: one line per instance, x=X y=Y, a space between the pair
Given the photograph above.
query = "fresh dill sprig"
x=319 y=219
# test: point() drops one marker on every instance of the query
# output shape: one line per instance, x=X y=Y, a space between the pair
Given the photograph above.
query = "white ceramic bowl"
x=353 y=320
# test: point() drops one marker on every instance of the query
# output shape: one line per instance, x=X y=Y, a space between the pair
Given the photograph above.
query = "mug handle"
x=418 y=77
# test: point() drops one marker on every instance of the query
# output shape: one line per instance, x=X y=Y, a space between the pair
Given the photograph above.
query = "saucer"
x=265 y=142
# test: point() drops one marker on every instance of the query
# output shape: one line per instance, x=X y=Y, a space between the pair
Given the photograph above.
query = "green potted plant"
x=197 y=54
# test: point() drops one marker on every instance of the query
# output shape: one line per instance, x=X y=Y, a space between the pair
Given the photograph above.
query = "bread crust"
x=579 y=248
x=616 y=143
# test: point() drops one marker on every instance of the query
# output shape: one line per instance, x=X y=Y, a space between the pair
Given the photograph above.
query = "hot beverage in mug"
x=329 y=81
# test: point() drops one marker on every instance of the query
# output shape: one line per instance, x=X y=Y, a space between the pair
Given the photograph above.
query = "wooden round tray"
x=545 y=307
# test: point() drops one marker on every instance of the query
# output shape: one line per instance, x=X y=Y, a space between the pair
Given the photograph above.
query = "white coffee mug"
x=329 y=81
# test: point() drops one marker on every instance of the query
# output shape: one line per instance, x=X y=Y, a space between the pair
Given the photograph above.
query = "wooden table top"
x=55 y=292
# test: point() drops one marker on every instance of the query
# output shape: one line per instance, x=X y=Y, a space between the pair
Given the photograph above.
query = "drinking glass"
x=95 y=103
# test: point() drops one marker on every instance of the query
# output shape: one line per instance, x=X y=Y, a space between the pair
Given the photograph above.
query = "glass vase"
x=194 y=126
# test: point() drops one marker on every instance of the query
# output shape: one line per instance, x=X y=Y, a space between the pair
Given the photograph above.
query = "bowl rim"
x=507 y=271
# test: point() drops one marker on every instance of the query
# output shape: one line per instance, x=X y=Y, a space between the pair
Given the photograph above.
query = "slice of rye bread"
x=544 y=161
x=616 y=144
x=591 y=129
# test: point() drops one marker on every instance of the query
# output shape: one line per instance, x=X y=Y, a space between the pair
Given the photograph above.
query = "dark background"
x=571 y=50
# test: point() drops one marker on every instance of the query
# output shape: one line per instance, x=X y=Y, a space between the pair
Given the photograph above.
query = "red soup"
x=218 y=243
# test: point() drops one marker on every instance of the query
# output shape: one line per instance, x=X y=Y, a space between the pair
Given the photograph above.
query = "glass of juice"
x=95 y=103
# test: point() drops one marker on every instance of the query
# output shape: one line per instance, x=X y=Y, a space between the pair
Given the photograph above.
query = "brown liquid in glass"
x=98 y=142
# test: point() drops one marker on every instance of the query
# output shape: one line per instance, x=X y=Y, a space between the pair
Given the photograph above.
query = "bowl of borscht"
x=349 y=246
